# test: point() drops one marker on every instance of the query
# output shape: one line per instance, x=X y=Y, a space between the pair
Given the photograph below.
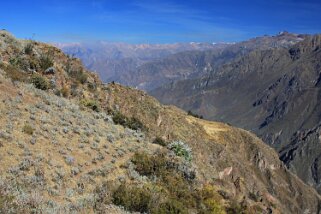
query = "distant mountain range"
x=117 y=61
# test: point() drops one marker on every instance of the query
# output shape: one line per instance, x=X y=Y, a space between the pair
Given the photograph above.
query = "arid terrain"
x=72 y=144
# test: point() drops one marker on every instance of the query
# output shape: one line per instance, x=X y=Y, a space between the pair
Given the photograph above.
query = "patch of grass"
x=28 y=129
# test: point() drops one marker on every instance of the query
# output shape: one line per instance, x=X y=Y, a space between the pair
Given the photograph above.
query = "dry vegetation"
x=110 y=149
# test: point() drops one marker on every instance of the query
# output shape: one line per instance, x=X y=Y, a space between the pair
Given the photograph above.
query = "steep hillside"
x=70 y=144
x=274 y=93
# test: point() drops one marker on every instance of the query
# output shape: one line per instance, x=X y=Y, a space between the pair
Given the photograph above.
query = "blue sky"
x=157 y=21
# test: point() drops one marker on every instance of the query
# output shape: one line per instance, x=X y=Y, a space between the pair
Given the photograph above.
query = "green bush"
x=179 y=188
x=40 y=82
x=28 y=49
x=132 y=198
x=171 y=206
x=159 y=141
x=168 y=176
x=150 y=165
x=135 y=124
x=181 y=149
x=92 y=104
x=119 y=119
x=46 y=61
x=132 y=123
x=209 y=201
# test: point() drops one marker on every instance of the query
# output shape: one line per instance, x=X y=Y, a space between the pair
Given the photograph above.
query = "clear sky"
x=157 y=21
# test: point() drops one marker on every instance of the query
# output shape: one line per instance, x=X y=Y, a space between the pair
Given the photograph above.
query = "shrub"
x=160 y=141
x=181 y=149
x=132 y=198
x=28 y=49
x=149 y=165
x=168 y=176
x=92 y=104
x=179 y=188
x=132 y=123
x=135 y=124
x=82 y=77
x=171 y=206
x=209 y=200
x=119 y=119
x=65 y=91
x=27 y=129
x=46 y=61
x=40 y=82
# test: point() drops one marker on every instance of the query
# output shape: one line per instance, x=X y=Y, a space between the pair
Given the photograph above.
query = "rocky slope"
x=70 y=144
x=274 y=93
